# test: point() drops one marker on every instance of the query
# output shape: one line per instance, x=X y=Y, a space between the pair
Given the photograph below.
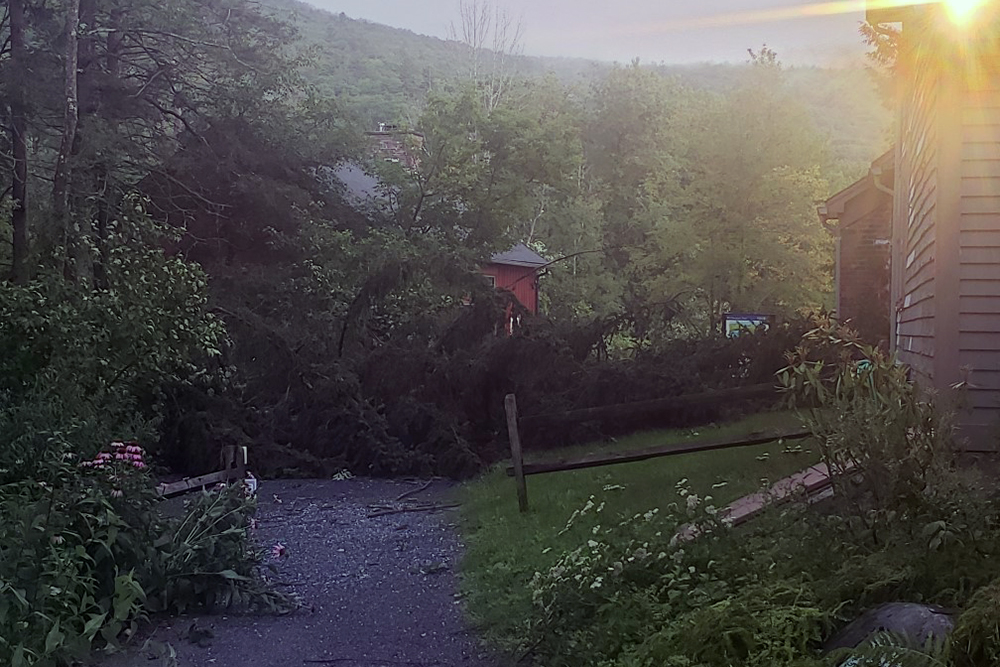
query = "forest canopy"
x=169 y=196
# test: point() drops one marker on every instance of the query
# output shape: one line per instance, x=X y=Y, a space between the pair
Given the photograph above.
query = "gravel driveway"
x=376 y=591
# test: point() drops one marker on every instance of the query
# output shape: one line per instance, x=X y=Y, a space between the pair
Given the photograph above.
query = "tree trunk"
x=19 y=141
x=60 y=187
x=109 y=193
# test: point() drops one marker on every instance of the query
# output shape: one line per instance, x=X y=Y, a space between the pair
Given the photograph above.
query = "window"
x=492 y=280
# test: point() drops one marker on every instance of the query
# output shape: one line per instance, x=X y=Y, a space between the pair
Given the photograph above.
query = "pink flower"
x=278 y=550
x=139 y=464
x=117 y=493
x=103 y=456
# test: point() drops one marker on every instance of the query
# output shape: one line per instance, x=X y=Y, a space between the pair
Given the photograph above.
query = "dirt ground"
x=376 y=591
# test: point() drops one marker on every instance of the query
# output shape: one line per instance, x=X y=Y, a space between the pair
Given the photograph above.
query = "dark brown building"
x=860 y=217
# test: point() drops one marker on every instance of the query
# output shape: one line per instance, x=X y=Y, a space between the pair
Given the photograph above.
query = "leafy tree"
x=484 y=175
x=746 y=237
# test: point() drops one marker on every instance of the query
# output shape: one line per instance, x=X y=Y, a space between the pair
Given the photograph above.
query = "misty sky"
x=672 y=31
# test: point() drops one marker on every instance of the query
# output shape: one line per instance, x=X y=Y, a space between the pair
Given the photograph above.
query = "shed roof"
x=519 y=255
x=834 y=207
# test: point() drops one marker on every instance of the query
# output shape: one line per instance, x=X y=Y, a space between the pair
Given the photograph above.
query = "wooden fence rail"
x=234 y=467
x=702 y=445
x=520 y=470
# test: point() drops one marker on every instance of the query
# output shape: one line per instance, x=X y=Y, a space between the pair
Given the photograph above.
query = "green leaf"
x=54 y=639
x=232 y=575
x=91 y=627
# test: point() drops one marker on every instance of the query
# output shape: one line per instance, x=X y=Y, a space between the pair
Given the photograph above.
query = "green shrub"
x=758 y=625
x=869 y=419
x=205 y=559
x=604 y=598
x=975 y=641
x=84 y=556
x=905 y=525
x=71 y=552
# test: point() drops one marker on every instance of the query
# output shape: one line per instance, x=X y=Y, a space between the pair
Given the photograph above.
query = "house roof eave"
x=834 y=207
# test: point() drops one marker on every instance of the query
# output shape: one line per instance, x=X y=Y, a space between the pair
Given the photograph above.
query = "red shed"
x=517 y=271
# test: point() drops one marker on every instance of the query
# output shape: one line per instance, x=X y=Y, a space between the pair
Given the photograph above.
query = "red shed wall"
x=521 y=280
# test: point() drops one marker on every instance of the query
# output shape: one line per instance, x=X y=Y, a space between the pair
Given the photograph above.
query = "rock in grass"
x=916 y=622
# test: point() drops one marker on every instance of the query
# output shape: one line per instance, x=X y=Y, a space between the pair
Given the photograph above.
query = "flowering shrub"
x=84 y=556
x=129 y=454
x=70 y=564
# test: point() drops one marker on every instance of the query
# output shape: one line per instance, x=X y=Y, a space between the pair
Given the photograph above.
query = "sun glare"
x=963 y=12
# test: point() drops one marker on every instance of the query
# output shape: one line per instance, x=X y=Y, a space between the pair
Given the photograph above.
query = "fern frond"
x=886 y=649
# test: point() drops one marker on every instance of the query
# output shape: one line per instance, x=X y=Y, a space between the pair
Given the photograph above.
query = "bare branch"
x=494 y=38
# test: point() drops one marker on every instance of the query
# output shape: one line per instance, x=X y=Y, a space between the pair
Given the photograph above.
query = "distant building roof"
x=519 y=255
x=362 y=187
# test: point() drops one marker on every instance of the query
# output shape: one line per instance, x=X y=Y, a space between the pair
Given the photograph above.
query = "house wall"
x=914 y=227
x=863 y=265
x=520 y=280
x=946 y=227
x=979 y=245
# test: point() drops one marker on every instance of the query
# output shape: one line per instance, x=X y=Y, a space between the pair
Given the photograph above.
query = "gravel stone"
x=376 y=592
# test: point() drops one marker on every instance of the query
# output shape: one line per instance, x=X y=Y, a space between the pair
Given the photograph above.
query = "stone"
x=916 y=622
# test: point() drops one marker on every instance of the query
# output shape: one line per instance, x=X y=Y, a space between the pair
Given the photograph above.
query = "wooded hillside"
x=385 y=74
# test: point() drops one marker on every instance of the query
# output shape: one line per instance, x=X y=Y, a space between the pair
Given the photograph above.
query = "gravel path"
x=376 y=592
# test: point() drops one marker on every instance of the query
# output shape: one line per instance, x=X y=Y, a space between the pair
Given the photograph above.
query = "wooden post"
x=241 y=464
x=517 y=458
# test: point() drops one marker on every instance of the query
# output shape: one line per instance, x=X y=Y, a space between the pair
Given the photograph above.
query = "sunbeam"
x=963 y=11
x=808 y=10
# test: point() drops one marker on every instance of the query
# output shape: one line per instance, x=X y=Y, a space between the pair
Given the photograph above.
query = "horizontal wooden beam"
x=624 y=410
x=813 y=484
x=190 y=483
x=704 y=445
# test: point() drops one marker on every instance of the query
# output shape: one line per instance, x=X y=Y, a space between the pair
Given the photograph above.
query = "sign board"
x=737 y=323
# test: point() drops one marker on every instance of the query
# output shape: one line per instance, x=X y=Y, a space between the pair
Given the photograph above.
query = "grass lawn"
x=505 y=548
